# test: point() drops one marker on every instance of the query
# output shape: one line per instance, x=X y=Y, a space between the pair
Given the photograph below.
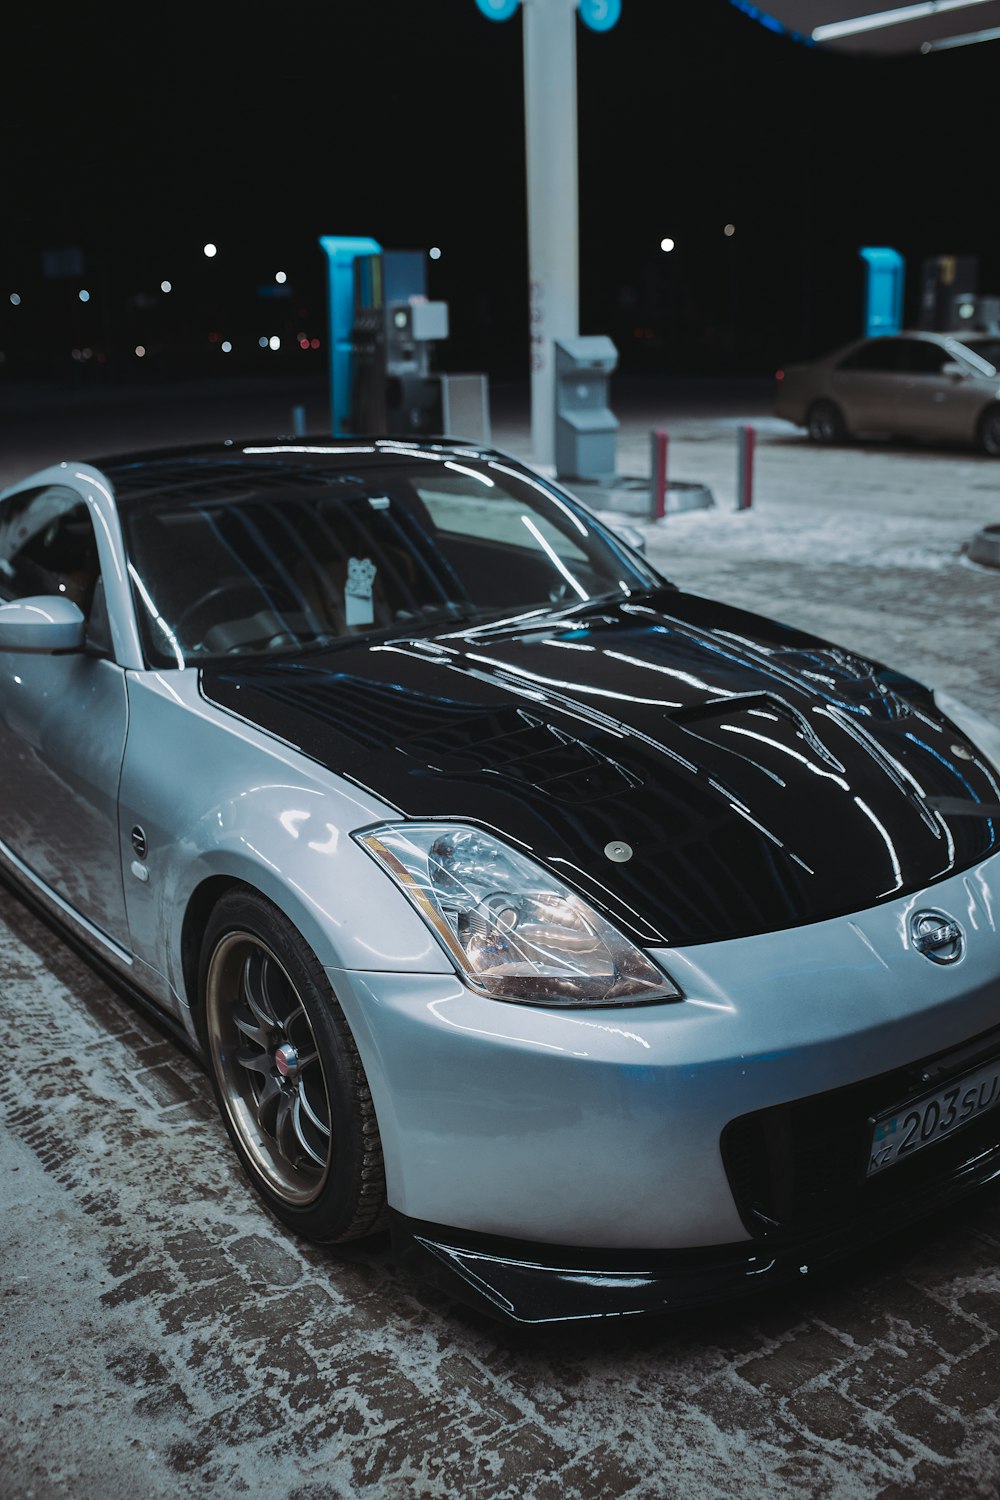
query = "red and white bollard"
x=658 y=442
x=746 y=444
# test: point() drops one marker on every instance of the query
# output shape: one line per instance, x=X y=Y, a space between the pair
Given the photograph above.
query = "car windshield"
x=263 y=559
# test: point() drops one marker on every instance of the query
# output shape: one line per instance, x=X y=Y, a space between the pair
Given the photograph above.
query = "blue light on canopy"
x=498 y=10
x=599 y=15
x=772 y=23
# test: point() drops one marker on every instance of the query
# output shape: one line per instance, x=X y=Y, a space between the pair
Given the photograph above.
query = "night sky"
x=138 y=133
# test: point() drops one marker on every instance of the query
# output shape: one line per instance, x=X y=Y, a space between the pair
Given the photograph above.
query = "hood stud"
x=618 y=851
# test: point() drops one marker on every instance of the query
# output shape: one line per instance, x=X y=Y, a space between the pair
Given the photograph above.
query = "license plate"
x=898 y=1136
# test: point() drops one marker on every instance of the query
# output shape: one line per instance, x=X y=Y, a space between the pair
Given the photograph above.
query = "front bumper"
x=612 y=1129
x=519 y=1282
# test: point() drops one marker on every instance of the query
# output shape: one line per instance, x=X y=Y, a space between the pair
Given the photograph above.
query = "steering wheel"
x=235 y=589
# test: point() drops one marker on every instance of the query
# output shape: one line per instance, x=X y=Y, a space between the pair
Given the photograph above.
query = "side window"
x=921 y=357
x=988 y=349
x=47 y=546
x=880 y=356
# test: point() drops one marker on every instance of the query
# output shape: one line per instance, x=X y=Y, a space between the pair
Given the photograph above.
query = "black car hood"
x=762 y=778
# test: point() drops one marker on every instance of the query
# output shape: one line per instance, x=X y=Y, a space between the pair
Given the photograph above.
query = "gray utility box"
x=586 y=427
x=465 y=408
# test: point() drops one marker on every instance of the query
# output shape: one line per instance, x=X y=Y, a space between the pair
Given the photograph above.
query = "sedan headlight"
x=983 y=733
x=513 y=930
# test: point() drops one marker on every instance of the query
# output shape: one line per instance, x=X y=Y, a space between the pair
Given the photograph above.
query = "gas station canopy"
x=870 y=27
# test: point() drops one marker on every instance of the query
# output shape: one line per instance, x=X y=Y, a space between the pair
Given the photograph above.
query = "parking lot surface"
x=165 y=1337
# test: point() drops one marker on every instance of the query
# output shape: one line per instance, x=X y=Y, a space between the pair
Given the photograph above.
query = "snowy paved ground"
x=163 y=1337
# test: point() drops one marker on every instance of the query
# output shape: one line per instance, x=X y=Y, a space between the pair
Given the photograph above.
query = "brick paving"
x=164 y=1337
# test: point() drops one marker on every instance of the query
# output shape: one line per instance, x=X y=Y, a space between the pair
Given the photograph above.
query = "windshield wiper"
x=429 y=618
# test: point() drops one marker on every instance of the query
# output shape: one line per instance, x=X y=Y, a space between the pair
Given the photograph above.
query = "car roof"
x=230 y=468
x=923 y=335
x=929 y=335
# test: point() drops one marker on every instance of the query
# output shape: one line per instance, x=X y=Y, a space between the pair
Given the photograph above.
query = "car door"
x=63 y=718
x=865 y=385
x=933 y=404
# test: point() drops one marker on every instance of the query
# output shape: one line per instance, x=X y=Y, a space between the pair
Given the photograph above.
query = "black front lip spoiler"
x=520 y=1282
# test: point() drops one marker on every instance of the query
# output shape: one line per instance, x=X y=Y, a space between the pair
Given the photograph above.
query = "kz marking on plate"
x=920 y=1124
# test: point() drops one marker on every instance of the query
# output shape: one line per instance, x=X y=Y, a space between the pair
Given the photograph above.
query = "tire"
x=287 y=1077
x=988 y=431
x=825 y=422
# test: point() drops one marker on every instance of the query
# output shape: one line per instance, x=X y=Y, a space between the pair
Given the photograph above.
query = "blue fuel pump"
x=885 y=272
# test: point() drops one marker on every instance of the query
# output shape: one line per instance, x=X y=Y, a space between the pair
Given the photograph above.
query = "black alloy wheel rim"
x=271 y=1079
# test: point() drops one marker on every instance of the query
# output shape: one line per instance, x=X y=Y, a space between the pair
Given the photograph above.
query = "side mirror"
x=955 y=370
x=45 y=623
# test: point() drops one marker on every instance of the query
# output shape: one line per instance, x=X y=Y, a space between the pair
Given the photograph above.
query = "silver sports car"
x=615 y=947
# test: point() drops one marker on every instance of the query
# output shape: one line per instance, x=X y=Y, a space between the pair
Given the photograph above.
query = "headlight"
x=982 y=732
x=513 y=930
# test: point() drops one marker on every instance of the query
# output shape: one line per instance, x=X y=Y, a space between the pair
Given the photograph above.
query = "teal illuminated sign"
x=885 y=273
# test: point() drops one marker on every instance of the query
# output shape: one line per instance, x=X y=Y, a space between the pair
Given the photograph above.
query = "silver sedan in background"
x=915 y=385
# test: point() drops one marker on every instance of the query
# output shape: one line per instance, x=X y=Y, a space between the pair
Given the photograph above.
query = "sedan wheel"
x=287 y=1075
x=825 y=422
x=988 y=431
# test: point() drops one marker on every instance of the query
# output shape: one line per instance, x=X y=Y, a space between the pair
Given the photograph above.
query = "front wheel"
x=287 y=1076
x=988 y=431
x=825 y=422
